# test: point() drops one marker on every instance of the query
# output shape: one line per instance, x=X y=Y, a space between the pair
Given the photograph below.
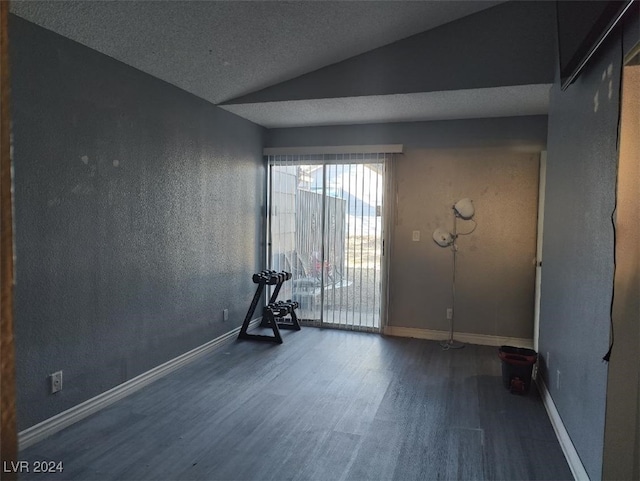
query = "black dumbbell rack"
x=276 y=314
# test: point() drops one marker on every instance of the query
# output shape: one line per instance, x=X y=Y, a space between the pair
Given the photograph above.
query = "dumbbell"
x=283 y=304
x=272 y=308
x=294 y=304
x=258 y=278
x=261 y=277
x=275 y=310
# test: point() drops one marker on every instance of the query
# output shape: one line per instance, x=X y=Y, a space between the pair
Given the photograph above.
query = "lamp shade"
x=442 y=237
x=464 y=208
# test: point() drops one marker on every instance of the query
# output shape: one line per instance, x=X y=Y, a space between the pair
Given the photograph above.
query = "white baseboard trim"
x=46 y=428
x=465 y=337
x=569 y=450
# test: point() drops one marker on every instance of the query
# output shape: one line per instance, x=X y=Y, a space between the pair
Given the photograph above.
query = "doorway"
x=622 y=424
x=326 y=227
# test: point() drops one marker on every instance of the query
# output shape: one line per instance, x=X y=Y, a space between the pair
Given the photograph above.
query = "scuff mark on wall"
x=610 y=75
x=83 y=188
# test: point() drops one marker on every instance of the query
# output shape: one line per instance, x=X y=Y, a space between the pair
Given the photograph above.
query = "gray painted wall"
x=516 y=132
x=577 y=274
x=493 y=161
x=510 y=44
x=138 y=220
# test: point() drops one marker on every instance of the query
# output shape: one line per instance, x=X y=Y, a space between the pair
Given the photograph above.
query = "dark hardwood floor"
x=325 y=405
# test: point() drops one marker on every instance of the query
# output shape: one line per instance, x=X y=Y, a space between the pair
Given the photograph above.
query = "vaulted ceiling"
x=285 y=64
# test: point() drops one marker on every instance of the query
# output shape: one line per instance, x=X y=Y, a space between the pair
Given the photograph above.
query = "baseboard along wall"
x=50 y=426
x=569 y=450
x=465 y=337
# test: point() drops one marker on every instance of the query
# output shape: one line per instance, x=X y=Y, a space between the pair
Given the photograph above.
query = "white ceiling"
x=219 y=50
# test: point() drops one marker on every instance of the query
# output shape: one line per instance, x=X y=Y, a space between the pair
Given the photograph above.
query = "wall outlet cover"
x=56 y=382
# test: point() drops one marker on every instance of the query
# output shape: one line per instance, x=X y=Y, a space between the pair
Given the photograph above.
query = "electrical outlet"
x=56 y=382
x=416 y=236
x=449 y=313
x=558 y=379
x=225 y=314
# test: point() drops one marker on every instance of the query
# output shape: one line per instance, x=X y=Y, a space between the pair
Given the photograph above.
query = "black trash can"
x=517 y=368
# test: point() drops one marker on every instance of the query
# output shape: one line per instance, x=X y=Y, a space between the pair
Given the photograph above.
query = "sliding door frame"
x=389 y=203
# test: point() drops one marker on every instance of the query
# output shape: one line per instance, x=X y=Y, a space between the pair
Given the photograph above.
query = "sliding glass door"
x=326 y=228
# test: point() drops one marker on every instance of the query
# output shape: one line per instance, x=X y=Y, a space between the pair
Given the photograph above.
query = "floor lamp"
x=464 y=210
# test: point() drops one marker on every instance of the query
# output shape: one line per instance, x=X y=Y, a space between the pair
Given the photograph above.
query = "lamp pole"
x=451 y=344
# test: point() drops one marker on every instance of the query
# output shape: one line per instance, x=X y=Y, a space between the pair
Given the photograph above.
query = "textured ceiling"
x=219 y=50
x=510 y=101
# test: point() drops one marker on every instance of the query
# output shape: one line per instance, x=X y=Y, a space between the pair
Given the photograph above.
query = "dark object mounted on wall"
x=582 y=27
